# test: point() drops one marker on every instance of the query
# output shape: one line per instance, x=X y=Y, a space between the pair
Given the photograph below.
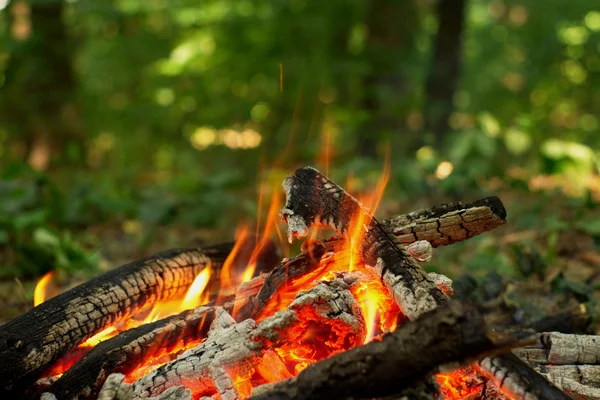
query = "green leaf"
x=46 y=238
x=29 y=219
x=591 y=226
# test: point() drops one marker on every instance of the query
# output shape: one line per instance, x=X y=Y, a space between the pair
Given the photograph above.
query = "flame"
x=193 y=297
x=41 y=293
x=312 y=337
x=461 y=383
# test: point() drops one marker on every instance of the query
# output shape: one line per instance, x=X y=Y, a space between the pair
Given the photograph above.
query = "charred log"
x=448 y=223
x=131 y=349
x=454 y=332
x=516 y=378
x=128 y=351
x=313 y=199
x=245 y=346
x=33 y=341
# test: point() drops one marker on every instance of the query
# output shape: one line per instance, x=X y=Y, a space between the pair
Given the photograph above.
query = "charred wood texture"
x=454 y=332
x=247 y=347
x=32 y=342
x=133 y=348
x=313 y=199
x=440 y=226
x=517 y=379
x=581 y=382
x=130 y=350
x=448 y=223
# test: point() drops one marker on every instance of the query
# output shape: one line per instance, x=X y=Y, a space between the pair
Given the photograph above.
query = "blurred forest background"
x=132 y=126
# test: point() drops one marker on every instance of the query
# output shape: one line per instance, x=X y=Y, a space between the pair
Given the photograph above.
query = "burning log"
x=33 y=341
x=452 y=332
x=128 y=351
x=233 y=353
x=132 y=349
x=313 y=199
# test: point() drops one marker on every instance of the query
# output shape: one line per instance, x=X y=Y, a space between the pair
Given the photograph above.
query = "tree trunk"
x=38 y=100
x=445 y=68
x=391 y=27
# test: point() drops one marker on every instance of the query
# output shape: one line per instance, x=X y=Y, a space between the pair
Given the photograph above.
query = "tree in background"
x=38 y=98
x=444 y=71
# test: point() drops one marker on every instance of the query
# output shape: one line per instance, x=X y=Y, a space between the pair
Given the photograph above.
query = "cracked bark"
x=459 y=221
x=313 y=199
x=517 y=379
x=33 y=341
x=131 y=349
x=448 y=223
x=30 y=343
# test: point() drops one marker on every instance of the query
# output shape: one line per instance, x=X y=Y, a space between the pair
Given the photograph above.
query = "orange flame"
x=313 y=338
x=41 y=293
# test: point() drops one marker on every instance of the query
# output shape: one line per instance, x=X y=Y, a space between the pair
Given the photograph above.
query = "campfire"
x=351 y=316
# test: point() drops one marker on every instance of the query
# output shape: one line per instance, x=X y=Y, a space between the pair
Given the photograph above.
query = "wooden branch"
x=452 y=332
x=581 y=382
x=313 y=199
x=517 y=379
x=32 y=342
x=571 y=349
x=475 y=218
x=448 y=223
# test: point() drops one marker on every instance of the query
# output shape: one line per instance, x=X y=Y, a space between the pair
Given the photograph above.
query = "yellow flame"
x=40 y=293
x=101 y=336
x=193 y=297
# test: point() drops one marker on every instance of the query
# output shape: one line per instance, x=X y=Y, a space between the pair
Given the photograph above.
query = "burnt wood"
x=33 y=341
x=440 y=225
x=447 y=224
x=131 y=349
x=453 y=332
x=513 y=376
x=313 y=199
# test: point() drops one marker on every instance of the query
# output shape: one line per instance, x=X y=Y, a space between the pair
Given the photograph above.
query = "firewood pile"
x=353 y=316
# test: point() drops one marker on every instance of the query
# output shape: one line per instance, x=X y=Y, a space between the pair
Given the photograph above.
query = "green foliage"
x=182 y=108
x=32 y=237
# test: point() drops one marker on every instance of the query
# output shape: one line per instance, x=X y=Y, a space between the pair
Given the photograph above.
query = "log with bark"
x=569 y=361
x=439 y=226
x=313 y=199
x=453 y=332
x=33 y=341
x=247 y=348
x=132 y=349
